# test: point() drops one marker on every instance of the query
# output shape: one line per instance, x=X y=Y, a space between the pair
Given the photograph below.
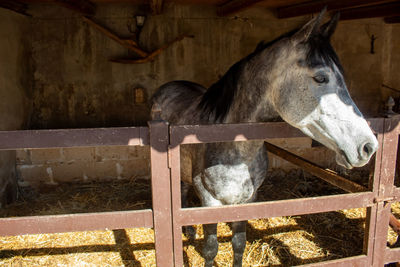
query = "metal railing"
x=167 y=216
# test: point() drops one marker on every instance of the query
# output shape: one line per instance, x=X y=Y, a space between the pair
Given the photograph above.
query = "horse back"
x=178 y=101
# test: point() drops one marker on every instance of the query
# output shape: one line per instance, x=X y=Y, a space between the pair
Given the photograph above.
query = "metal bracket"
x=386 y=200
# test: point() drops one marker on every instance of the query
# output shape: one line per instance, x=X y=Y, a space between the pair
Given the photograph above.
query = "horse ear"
x=329 y=28
x=310 y=28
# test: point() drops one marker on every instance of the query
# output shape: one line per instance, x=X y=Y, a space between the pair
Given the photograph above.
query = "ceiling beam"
x=392 y=20
x=385 y=10
x=317 y=6
x=235 y=6
x=84 y=7
x=15 y=6
x=156 y=6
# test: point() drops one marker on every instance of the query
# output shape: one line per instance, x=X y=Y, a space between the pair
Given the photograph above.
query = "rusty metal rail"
x=167 y=216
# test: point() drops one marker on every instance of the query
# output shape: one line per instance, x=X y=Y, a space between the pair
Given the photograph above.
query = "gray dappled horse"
x=297 y=77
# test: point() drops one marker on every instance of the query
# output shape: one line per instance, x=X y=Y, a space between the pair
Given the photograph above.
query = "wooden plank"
x=84 y=7
x=235 y=6
x=392 y=20
x=385 y=10
x=76 y=222
x=317 y=6
x=156 y=6
x=15 y=6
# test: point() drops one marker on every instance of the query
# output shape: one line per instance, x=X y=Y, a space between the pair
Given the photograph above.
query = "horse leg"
x=210 y=248
x=238 y=242
x=189 y=231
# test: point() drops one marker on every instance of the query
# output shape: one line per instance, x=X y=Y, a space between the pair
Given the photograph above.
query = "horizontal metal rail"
x=356 y=261
x=76 y=222
x=326 y=175
x=290 y=207
x=124 y=136
x=194 y=134
x=392 y=255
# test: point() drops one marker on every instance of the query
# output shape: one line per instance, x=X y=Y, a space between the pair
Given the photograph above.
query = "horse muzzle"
x=357 y=157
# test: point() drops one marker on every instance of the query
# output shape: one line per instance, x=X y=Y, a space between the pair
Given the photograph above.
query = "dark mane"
x=321 y=52
x=218 y=99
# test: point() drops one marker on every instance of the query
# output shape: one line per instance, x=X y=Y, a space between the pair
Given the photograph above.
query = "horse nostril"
x=368 y=149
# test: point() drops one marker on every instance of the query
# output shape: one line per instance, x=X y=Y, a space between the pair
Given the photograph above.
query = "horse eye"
x=321 y=79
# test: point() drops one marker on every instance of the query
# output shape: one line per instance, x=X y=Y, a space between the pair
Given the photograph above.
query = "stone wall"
x=15 y=77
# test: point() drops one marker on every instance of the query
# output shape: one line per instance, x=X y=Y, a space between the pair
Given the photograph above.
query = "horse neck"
x=252 y=102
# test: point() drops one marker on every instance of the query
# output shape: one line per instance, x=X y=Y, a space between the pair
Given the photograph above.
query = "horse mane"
x=218 y=99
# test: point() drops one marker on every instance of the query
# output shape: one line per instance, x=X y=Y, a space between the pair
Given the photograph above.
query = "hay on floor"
x=282 y=241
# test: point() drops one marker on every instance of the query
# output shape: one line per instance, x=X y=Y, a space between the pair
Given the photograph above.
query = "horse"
x=298 y=78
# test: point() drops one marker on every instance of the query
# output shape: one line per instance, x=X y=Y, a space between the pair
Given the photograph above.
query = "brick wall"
x=52 y=166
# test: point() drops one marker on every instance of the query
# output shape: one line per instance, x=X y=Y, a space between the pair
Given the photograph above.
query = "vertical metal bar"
x=176 y=202
x=373 y=185
x=161 y=192
x=381 y=230
x=369 y=232
x=386 y=185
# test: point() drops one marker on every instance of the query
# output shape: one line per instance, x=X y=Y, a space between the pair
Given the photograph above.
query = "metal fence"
x=167 y=216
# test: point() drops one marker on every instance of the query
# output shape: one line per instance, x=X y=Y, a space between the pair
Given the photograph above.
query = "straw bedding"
x=283 y=241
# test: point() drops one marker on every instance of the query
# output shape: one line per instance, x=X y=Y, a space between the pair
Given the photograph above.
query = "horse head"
x=311 y=94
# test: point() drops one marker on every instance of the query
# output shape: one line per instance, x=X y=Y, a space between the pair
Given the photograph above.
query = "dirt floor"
x=280 y=241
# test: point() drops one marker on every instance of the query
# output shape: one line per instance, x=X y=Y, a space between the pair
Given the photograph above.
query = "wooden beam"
x=156 y=6
x=385 y=10
x=84 y=7
x=326 y=175
x=235 y=6
x=129 y=44
x=15 y=6
x=317 y=6
x=392 y=20
x=153 y=54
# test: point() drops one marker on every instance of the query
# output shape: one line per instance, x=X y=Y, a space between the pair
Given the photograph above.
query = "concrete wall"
x=391 y=65
x=76 y=86
x=82 y=164
x=15 y=89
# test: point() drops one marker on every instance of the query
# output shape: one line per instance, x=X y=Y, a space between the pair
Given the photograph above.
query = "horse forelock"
x=321 y=53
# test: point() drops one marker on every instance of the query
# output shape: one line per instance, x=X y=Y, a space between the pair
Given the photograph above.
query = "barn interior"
x=92 y=64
